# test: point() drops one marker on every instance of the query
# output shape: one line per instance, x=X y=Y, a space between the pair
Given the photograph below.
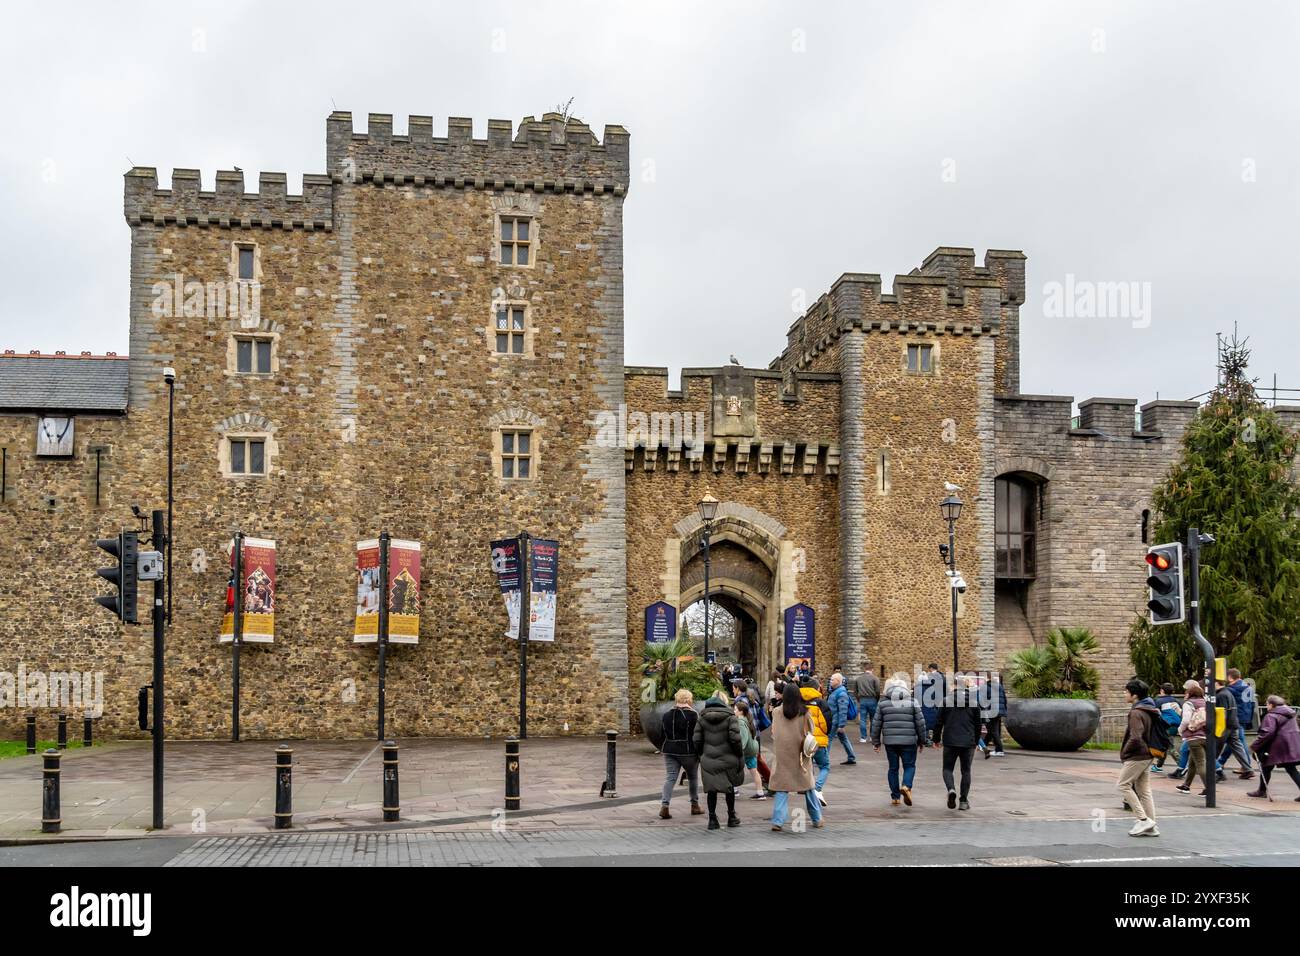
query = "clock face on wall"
x=54 y=435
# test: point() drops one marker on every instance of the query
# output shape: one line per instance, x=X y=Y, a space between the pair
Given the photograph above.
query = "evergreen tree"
x=1234 y=480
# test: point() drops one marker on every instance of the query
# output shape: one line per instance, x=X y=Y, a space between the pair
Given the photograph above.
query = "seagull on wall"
x=734 y=360
x=950 y=487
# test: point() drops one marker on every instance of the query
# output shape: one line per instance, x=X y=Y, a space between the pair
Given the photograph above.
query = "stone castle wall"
x=379 y=414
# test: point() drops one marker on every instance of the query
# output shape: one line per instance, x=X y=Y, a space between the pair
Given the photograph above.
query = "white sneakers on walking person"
x=1145 y=827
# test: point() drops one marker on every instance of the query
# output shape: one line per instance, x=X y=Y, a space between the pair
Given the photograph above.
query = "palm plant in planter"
x=1055 y=687
x=669 y=667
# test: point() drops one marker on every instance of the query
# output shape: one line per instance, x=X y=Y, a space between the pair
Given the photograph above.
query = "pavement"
x=1027 y=809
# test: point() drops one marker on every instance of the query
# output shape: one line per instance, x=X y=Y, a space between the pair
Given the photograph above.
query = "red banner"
x=403 y=592
x=258 y=589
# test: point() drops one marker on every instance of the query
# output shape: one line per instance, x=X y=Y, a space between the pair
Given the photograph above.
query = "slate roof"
x=64 y=383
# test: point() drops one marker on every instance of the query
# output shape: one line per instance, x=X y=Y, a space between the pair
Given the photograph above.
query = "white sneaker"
x=862 y=740
x=1142 y=827
x=821 y=796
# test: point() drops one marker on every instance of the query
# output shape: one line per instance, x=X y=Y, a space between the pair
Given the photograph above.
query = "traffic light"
x=1165 y=581
x=124 y=575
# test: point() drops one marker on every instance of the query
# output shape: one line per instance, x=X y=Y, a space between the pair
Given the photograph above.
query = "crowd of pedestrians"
x=1156 y=725
x=717 y=748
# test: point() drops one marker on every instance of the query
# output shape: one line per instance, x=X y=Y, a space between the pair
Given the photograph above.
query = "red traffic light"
x=1158 y=561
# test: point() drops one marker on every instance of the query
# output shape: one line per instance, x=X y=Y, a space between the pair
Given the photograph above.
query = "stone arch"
x=1039 y=468
x=761 y=587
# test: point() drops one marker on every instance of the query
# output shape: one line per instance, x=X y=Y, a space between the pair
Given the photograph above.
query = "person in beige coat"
x=791 y=770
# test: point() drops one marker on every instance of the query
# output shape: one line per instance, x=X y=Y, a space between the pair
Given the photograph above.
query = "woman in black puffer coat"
x=722 y=763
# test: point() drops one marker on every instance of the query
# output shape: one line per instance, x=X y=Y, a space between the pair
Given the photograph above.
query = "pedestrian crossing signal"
x=124 y=575
x=1165 y=584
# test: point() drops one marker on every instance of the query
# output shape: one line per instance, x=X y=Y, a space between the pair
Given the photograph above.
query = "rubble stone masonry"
x=383 y=409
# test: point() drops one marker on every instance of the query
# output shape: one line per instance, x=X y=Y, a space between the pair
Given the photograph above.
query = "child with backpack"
x=1171 y=716
x=1192 y=729
x=749 y=745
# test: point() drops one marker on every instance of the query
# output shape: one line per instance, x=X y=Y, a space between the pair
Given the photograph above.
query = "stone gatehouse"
x=429 y=341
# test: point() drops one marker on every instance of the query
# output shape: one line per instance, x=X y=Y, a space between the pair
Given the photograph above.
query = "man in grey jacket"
x=900 y=726
x=866 y=688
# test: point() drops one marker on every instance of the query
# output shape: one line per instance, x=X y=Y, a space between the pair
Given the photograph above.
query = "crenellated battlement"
x=551 y=153
x=948 y=294
x=228 y=205
x=1107 y=419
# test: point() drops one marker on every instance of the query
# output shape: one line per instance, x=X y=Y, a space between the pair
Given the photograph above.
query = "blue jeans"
x=822 y=758
x=782 y=800
x=843 y=738
x=866 y=711
x=907 y=755
x=1183 y=755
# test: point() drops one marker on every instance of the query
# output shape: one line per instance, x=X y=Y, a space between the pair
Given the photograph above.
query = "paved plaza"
x=1028 y=809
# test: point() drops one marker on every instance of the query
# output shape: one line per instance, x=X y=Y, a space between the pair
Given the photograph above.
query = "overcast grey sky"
x=774 y=146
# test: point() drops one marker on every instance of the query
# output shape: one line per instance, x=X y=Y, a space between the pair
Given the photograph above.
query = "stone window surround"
x=530 y=329
x=235 y=246
x=534 y=237
x=246 y=427
x=934 y=356
x=266 y=332
x=883 y=469
x=517 y=419
x=501 y=455
x=516 y=206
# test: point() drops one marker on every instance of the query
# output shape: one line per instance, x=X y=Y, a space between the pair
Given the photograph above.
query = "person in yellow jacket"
x=811 y=692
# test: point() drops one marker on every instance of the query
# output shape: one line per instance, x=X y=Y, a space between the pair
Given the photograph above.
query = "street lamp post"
x=708 y=511
x=950 y=507
x=169 y=376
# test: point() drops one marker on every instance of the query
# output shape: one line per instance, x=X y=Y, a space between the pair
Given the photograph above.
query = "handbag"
x=810 y=744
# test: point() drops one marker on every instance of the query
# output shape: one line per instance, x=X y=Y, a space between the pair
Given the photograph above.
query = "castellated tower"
x=438 y=321
x=919 y=369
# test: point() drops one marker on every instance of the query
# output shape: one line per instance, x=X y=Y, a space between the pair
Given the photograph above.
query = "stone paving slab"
x=220 y=788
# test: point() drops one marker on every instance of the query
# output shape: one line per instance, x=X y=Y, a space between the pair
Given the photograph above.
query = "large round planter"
x=652 y=720
x=1052 y=723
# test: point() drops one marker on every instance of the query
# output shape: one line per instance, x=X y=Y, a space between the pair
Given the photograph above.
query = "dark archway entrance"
x=735 y=629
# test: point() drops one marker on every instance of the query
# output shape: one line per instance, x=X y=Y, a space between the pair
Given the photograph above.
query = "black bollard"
x=63 y=731
x=512 y=773
x=610 y=787
x=284 y=787
x=31 y=733
x=50 y=819
x=87 y=732
x=392 y=805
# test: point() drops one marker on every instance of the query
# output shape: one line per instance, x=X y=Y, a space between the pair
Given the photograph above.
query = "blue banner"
x=801 y=637
x=660 y=623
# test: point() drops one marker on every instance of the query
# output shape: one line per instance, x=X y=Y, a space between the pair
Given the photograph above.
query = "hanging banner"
x=403 y=592
x=258 y=587
x=801 y=637
x=543 y=562
x=660 y=623
x=505 y=565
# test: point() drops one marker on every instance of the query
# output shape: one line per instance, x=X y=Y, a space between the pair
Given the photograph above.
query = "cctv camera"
x=169 y=374
x=959 y=583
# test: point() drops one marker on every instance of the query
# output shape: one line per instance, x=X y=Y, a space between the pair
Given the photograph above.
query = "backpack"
x=1156 y=737
x=1197 y=720
x=1171 y=713
x=853 y=706
x=825 y=708
x=761 y=720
